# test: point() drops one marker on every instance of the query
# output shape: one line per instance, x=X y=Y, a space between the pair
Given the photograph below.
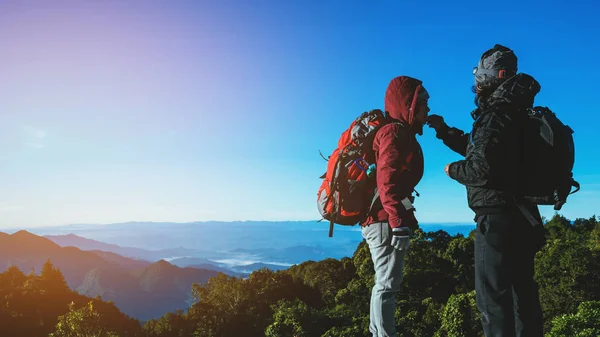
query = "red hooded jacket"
x=398 y=155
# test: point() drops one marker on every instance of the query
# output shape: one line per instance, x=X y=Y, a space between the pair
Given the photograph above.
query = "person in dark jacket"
x=509 y=230
x=399 y=168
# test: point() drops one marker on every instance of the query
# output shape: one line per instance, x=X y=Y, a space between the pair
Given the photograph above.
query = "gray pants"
x=388 y=263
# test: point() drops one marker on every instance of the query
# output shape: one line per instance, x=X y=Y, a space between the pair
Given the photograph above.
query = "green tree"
x=353 y=330
x=594 y=237
x=327 y=276
x=83 y=322
x=426 y=272
x=558 y=227
x=417 y=318
x=169 y=325
x=582 y=225
x=32 y=305
x=290 y=318
x=460 y=317
x=460 y=252
x=584 y=323
x=53 y=280
x=12 y=278
x=568 y=273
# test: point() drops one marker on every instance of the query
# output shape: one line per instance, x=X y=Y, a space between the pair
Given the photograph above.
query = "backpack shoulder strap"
x=375 y=197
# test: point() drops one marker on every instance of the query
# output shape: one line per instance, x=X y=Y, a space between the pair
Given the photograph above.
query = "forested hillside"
x=330 y=297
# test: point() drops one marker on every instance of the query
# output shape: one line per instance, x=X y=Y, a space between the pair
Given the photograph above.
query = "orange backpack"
x=348 y=188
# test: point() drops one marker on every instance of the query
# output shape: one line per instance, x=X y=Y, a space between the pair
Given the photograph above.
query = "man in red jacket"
x=387 y=228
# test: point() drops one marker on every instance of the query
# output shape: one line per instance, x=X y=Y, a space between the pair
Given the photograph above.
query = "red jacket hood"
x=401 y=98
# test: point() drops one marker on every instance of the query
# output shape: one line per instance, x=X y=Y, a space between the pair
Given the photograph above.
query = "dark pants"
x=506 y=293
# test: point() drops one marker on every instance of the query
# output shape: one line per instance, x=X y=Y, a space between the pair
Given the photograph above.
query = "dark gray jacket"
x=492 y=151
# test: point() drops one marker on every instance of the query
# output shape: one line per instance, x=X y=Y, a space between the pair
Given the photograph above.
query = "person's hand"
x=401 y=238
x=446 y=169
x=436 y=122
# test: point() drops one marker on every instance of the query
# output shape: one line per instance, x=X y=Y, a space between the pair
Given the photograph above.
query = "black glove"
x=437 y=123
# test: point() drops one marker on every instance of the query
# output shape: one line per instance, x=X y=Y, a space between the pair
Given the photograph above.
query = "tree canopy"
x=328 y=297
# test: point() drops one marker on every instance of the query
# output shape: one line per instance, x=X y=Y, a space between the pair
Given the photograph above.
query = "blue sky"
x=216 y=110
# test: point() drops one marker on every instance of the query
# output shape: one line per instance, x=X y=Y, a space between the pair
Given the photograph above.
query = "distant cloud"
x=34 y=137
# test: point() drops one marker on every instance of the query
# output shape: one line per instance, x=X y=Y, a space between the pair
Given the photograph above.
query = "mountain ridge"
x=144 y=292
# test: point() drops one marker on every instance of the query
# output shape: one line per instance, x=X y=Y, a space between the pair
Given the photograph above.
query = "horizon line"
x=450 y=223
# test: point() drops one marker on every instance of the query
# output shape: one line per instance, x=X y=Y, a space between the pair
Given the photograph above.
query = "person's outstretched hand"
x=436 y=122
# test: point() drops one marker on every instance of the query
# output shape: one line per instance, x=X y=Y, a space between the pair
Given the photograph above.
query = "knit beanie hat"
x=497 y=62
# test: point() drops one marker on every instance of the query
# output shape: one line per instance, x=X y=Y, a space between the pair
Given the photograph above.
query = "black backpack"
x=549 y=156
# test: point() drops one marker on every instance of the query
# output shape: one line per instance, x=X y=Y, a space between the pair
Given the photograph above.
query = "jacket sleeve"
x=393 y=156
x=454 y=138
x=483 y=165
